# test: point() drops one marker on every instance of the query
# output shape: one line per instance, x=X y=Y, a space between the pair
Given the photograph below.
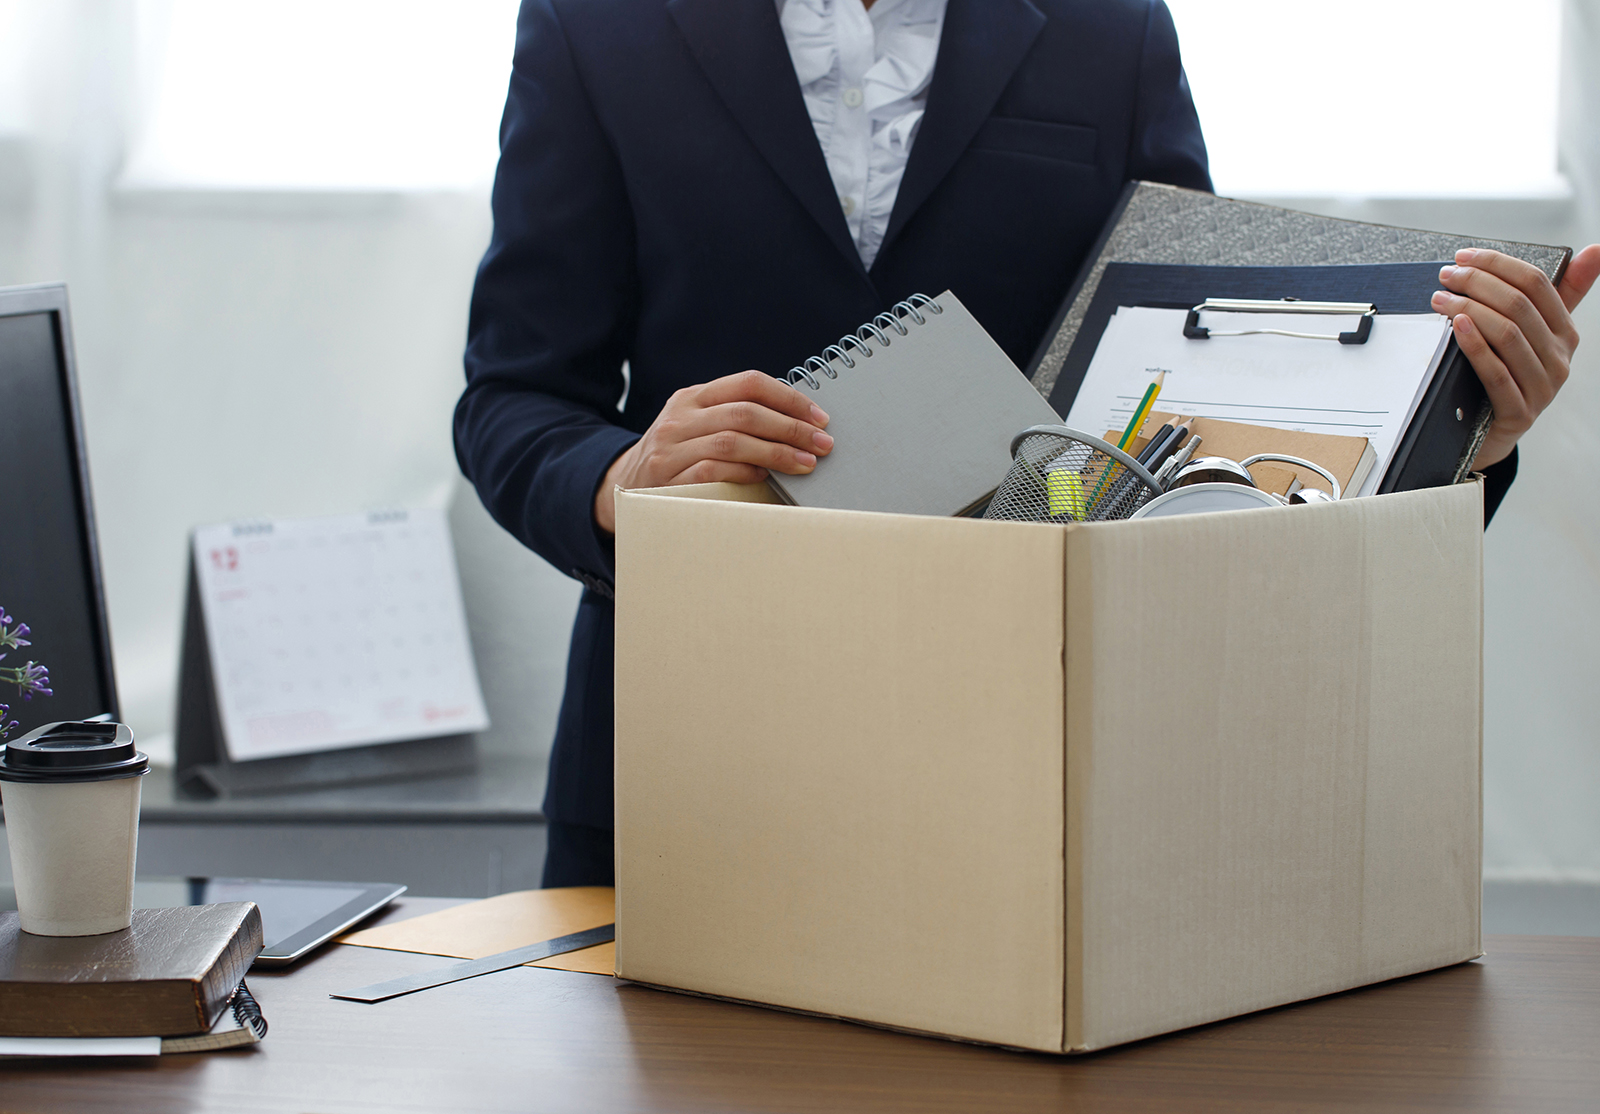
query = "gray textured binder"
x=922 y=411
x=1165 y=224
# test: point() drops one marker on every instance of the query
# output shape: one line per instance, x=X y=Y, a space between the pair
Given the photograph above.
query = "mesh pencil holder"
x=1061 y=475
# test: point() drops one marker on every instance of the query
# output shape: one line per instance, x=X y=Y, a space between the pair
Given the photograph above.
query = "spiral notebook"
x=922 y=405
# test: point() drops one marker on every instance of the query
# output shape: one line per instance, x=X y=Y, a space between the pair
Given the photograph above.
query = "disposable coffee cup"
x=71 y=798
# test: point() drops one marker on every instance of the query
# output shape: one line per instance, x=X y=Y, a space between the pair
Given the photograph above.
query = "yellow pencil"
x=1140 y=413
x=1143 y=412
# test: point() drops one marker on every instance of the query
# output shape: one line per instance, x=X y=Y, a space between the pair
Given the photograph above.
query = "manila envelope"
x=498 y=924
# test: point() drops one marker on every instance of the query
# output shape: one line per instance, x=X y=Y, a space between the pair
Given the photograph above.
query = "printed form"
x=1369 y=390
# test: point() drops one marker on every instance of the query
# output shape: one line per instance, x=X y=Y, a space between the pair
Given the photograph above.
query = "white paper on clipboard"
x=1369 y=390
x=327 y=633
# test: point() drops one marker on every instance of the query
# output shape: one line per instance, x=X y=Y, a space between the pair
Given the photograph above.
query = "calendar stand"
x=204 y=766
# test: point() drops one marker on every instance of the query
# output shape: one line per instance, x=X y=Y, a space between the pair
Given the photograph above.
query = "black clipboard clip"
x=1195 y=331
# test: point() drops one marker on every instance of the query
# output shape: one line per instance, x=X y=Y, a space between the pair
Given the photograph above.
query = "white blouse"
x=865 y=75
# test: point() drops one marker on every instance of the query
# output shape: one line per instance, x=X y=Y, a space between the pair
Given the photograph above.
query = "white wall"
x=262 y=357
x=1542 y=652
x=1542 y=555
x=287 y=355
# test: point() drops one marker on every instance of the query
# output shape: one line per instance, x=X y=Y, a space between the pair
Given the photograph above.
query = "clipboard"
x=1240 y=249
x=1453 y=417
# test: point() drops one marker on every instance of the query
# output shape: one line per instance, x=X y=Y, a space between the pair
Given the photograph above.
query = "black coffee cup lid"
x=72 y=751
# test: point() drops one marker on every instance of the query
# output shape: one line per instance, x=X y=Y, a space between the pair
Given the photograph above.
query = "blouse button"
x=852 y=97
x=849 y=204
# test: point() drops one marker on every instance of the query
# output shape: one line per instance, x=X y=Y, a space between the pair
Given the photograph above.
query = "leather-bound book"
x=169 y=974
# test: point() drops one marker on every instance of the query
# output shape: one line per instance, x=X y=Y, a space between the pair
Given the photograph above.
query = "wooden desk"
x=1517 y=1031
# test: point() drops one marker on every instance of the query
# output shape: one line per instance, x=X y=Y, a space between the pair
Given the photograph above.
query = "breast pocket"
x=1039 y=138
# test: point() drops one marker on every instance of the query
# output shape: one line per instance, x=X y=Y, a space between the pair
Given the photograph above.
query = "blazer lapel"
x=740 y=46
x=981 y=46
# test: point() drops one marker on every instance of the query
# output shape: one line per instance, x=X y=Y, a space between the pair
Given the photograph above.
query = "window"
x=17 y=32
x=321 y=94
x=1378 y=98
x=1387 y=98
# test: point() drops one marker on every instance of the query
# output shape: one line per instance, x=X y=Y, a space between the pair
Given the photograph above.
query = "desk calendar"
x=330 y=633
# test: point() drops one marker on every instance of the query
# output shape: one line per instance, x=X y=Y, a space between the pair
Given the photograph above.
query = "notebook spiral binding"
x=247 y=1012
x=892 y=320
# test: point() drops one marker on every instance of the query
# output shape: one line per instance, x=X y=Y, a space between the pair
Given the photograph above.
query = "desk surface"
x=505 y=788
x=1517 y=1031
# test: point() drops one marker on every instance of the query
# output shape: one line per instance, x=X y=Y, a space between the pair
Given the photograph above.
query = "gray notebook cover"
x=922 y=426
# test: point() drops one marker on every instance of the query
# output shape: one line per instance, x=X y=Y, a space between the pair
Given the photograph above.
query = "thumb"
x=1580 y=276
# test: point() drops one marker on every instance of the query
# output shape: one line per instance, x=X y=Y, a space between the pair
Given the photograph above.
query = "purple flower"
x=31 y=679
x=12 y=638
x=34 y=679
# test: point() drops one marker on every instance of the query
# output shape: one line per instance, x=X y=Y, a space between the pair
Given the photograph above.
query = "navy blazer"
x=662 y=200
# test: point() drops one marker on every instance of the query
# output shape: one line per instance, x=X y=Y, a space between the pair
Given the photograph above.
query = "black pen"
x=1158 y=442
x=1169 y=445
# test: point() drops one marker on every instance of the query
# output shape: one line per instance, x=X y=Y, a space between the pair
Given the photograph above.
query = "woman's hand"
x=736 y=428
x=1516 y=329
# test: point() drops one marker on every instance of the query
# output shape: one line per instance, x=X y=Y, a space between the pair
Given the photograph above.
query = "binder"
x=1175 y=248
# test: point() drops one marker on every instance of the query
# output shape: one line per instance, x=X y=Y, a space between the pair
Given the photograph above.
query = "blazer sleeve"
x=552 y=314
x=1167 y=145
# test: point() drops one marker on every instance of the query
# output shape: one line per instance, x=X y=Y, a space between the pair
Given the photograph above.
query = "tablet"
x=295 y=916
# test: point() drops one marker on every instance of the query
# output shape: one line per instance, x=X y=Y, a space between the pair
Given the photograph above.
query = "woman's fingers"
x=759 y=387
x=1513 y=414
x=1516 y=328
x=719 y=471
x=732 y=429
x=760 y=421
x=1580 y=278
x=1507 y=341
x=662 y=462
x=748 y=418
x=1509 y=278
x=1532 y=307
x=1510 y=405
x=733 y=447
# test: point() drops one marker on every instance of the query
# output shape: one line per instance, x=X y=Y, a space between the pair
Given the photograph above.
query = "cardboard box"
x=1049 y=787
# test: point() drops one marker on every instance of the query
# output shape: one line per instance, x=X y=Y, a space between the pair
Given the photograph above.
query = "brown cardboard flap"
x=839 y=763
x=1277 y=795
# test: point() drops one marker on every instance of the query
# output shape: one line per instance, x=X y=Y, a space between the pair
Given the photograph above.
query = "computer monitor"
x=49 y=559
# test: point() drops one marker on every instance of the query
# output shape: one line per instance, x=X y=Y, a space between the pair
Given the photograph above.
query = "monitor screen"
x=49 y=570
